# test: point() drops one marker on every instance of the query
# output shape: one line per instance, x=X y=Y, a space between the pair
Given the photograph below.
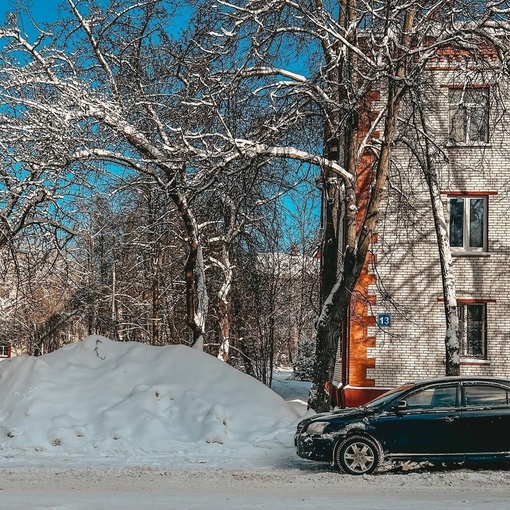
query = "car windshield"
x=389 y=395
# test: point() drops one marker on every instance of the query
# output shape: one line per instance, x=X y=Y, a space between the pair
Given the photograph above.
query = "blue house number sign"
x=384 y=320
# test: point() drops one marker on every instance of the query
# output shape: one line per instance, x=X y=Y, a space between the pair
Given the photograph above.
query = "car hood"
x=340 y=415
x=350 y=412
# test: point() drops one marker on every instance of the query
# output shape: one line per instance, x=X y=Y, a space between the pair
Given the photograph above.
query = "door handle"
x=449 y=419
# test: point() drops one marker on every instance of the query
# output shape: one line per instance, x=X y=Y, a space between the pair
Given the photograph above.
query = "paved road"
x=307 y=486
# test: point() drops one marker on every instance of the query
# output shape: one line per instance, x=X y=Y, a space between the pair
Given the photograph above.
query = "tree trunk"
x=224 y=304
x=197 y=301
x=452 y=340
x=452 y=343
x=357 y=242
x=202 y=302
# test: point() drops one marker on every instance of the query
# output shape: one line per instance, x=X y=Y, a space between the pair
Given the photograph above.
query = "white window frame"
x=466 y=221
x=464 y=325
x=462 y=111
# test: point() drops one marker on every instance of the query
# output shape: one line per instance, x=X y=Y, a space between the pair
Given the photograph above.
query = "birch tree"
x=430 y=159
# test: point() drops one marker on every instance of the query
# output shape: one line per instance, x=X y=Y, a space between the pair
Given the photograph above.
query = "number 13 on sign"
x=384 y=320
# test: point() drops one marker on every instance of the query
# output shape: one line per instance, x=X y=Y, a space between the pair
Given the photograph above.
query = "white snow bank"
x=106 y=398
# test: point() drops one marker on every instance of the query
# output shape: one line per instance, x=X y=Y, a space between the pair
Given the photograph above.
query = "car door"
x=485 y=419
x=427 y=424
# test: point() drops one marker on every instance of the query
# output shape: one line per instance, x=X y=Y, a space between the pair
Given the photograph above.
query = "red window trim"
x=470 y=301
x=469 y=193
x=464 y=86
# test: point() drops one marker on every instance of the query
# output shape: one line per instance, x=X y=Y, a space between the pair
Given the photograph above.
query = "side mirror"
x=400 y=407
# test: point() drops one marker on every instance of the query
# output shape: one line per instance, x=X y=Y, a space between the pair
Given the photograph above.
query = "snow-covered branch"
x=251 y=149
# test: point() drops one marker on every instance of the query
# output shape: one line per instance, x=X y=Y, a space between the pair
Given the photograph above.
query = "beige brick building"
x=396 y=330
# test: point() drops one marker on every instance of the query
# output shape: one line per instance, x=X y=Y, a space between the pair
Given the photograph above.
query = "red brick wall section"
x=360 y=314
x=360 y=320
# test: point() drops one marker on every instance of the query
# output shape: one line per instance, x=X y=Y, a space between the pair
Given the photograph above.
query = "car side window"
x=431 y=398
x=484 y=395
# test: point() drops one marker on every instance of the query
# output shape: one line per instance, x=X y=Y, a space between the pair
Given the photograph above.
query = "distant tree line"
x=120 y=275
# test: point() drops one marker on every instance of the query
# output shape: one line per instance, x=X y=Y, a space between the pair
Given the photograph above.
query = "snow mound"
x=105 y=397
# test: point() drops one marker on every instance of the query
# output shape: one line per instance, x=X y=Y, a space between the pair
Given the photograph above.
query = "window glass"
x=468 y=220
x=388 y=396
x=420 y=399
x=485 y=396
x=431 y=398
x=457 y=222
x=468 y=109
x=472 y=329
x=477 y=123
x=476 y=221
x=457 y=116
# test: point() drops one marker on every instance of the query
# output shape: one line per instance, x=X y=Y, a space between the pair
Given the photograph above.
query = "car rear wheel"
x=358 y=455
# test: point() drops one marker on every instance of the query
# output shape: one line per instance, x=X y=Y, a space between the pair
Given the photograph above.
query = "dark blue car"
x=448 y=419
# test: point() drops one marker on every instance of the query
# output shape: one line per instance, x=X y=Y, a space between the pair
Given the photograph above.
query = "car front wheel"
x=358 y=455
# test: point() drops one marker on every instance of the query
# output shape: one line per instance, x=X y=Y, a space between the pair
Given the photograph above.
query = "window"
x=468 y=220
x=469 y=113
x=485 y=396
x=432 y=398
x=473 y=330
x=4 y=351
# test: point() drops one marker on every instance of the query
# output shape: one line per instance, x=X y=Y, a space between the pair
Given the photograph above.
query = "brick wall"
x=408 y=283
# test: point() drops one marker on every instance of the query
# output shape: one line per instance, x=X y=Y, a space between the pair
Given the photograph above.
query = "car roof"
x=461 y=378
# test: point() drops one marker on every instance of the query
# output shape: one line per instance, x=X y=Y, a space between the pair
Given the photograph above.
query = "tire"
x=358 y=455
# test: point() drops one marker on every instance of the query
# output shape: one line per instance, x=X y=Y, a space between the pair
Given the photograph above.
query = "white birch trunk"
x=452 y=339
x=224 y=304
x=452 y=343
x=202 y=304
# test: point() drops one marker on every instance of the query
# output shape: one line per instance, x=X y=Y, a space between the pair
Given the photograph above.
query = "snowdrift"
x=105 y=397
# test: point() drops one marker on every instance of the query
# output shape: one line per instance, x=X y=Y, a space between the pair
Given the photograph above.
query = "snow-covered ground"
x=101 y=425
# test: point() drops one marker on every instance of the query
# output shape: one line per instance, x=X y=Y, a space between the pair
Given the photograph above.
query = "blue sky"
x=47 y=11
x=41 y=10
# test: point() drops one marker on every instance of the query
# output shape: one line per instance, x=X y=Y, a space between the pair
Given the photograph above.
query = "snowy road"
x=305 y=486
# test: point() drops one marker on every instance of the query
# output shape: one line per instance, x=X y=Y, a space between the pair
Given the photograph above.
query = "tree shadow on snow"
x=422 y=467
x=401 y=468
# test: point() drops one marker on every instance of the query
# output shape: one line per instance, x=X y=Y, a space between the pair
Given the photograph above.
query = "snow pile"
x=106 y=398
